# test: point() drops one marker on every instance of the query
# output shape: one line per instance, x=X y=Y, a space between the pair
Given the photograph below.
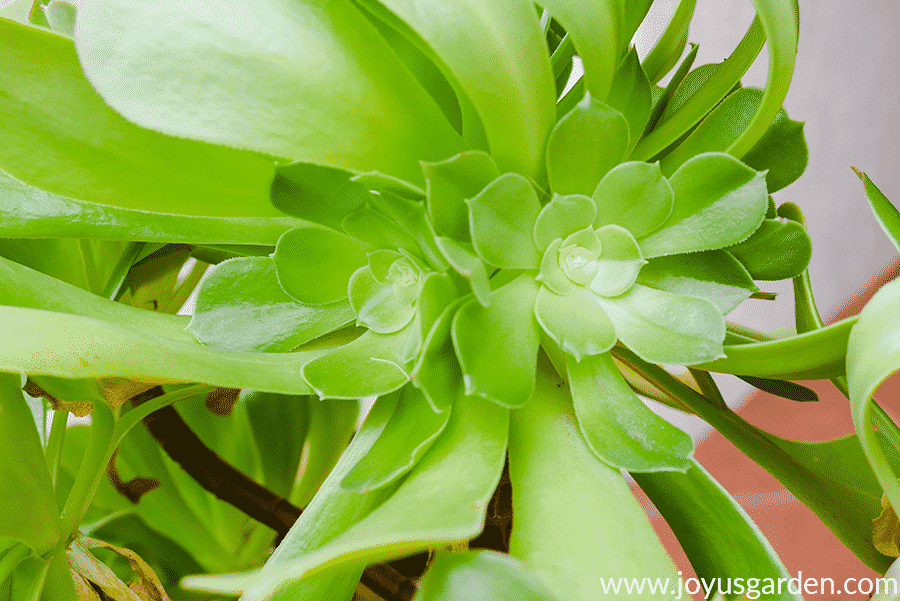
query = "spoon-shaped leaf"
x=577 y=322
x=635 y=196
x=314 y=265
x=454 y=481
x=778 y=250
x=585 y=144
x=501 y=219
x=241 y=307
x=497 y=54
x=714 y=275
x=450 y=183
x=562 y=216
x=562 y=505
x=497 y=345
x=661 y=327
x=52 y=112
x=617 y=426
x=719 y=201
x=620 y=262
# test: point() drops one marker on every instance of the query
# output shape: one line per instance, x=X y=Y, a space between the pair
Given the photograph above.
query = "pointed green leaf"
x=721 y=82
x=501 y=219
x=577 y=323
x=559 y=481
x=670 y=45
x=497 y=345
x=463 y=260
x=450 y=183
x=377 y=305
x=595 y=28
x=617 y=426
x=816 y=355
x=552 y=275
x=718 y=130
x=885 y=213
x=409 y=433
x=29 y=511
x=204 y=73
x=241 y=307
x=635 y=196
x=585 y=144
x=710 y=525
x=454 y=480
x=714 y=275
x=630 y=95
x=661 y=327
x=562 y=216
x=778 y=250
x=478 y=576
x=484 y=45
x=619 y=263
x=783 y=388
x=52 y=112
x=314 y=265
x=719 y=201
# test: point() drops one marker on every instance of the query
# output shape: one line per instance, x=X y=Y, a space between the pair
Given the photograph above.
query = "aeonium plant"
x=403 y=201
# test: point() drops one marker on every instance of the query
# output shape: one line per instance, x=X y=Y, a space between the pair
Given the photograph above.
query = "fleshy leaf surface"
x=584 y=145
x=409 y=433
x=29 y=511
x=666 y=328
x=631 y=96
x=710 y=524
x=719 y=201
x=634 y=195
x=617 y=426
x=577 y=322
x=619 y=262
x=450 y=183
x=465 y=262
x=377 y=305
x=497 y=345
x=371 y=365
x=551 y=274
x=559 y=481
x=204 y=72
x=241 y=307
x=455 y=480
x=314 y=265
x=51 y=110
x=485 y=46
x=562 y=216
x=778 y=250
x=479 y=576
x=501 y=219
x=714 y=275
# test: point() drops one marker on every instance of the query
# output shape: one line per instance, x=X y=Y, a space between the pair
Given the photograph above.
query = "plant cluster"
x=402 y=202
